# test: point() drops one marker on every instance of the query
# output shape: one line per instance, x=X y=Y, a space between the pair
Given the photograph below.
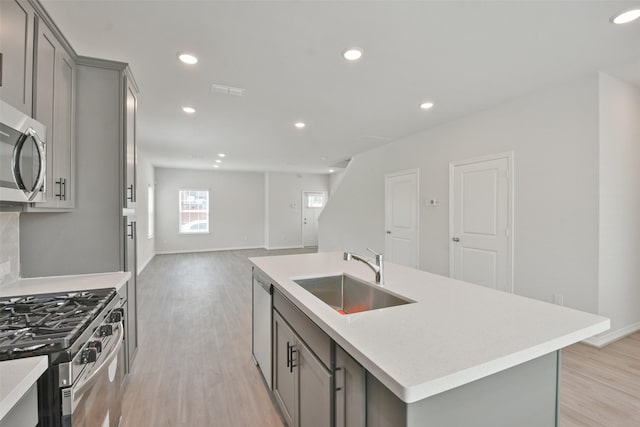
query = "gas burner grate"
x=47 y=322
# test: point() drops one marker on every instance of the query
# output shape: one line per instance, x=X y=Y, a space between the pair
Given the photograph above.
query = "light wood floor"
x=194 y=365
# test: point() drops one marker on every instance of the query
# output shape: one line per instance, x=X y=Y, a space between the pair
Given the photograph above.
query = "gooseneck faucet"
x=378 y=267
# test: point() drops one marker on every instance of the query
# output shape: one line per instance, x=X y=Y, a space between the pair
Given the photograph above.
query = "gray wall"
x=284 y=206
x=86 y=240
x=145 y=178
x=554 y=135
x=10 y=246
x=236 y=210
x=619 y=273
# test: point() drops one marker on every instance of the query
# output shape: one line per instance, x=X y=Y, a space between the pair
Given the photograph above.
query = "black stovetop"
x=45 y=323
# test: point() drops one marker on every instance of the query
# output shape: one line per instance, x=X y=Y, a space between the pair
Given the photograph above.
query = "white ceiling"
x=464 y=56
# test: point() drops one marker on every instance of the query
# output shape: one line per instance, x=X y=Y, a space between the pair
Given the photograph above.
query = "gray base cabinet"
x=317 y=383
x=302 y=384
x=350 y=391
x=524 y=396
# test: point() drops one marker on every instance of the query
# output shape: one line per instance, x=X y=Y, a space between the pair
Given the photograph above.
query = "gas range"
x=82 y=333
x=34 y=325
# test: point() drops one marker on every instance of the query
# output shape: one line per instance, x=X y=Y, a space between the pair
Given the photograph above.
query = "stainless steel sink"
x=349 y=295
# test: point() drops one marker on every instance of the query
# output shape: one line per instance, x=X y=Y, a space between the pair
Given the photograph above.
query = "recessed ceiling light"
x=218 y=161
x=352 y=53
x=331 y=171
x=189 y=110
x=426 y=105
x=300 y=125
x=221 y=155
x=626 y=16
x=216 y=166
x=188 y=58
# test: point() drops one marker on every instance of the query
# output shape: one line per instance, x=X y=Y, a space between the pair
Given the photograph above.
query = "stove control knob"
x=116 y=315
x=88 y=355
x=106 y=330
x=95 y=344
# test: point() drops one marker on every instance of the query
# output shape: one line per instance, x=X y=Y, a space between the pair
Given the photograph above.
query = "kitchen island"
x=458 y=354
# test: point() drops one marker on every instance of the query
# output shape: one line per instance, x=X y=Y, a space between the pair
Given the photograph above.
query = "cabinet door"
x=350 y=392
x=130 y=148
x=314 y=389
x=54 y=106
x=64 y=131
x=283 y=375
x=16 y=45
x=44 y=106
x=132 y=292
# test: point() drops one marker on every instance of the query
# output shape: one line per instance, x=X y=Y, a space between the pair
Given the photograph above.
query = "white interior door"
x=312 y=204
x=401 y=218
x=480 y=222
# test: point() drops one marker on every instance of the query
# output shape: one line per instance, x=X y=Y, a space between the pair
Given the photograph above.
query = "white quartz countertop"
x=43 y=285
x=454 y=333
x=16 y=378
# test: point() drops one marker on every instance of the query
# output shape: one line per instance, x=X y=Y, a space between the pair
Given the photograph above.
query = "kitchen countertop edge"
x=22 y=375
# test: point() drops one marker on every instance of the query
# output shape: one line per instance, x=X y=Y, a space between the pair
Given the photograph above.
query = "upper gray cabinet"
x=54 y=106
x=131 y=97
x=16 y=45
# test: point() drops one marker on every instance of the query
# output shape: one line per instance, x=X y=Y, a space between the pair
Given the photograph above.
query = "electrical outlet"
x=5 y=268
x=558 y=299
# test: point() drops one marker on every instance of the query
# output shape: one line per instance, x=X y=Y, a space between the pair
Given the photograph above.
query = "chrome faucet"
x=377 y=268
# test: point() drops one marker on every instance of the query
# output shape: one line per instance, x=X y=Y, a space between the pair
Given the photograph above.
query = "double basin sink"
x=349 y=295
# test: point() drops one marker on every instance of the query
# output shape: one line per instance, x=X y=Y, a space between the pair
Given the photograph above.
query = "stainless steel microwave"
x=22 y=157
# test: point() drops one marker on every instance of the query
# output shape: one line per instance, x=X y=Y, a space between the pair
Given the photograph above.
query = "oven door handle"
x=81 y=386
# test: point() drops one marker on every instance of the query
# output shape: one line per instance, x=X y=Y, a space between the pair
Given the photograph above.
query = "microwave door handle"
x=43 y=164
x=80 y=387
x=15 y=162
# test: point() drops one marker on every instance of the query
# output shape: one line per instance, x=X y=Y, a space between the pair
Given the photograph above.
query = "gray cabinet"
x=54 y=106
x=16 y=45
x=350 y=391
x=302 y=384
x=283 y=378
x=128 y=202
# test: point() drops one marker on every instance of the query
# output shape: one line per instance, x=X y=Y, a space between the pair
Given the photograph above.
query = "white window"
x=315 y=200
x=193 y=214
x=150 y=212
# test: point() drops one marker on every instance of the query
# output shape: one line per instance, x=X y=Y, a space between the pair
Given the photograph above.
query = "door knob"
x=388 y=231
x=455 y=239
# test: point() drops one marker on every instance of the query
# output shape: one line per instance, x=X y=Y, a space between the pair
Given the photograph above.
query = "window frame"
x=181 y=211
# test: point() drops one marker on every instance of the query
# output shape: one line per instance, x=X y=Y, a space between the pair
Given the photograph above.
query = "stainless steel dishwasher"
x=261 y=330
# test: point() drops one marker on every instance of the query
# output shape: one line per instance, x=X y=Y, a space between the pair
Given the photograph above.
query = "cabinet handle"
x=130 y=193
x=288 y=354
x=62 y=183
x=59 y=184
x=292 y=365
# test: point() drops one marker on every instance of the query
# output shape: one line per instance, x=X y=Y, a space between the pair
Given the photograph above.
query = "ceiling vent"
x=227 y=90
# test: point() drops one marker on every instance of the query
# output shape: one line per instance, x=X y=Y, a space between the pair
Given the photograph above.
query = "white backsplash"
x=9 y=247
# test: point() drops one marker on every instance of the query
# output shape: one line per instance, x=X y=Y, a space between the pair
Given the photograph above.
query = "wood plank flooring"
x=601 y=387
x=194 y=366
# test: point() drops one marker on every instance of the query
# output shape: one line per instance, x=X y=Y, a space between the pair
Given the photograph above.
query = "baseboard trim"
x=272 y=248
x=143 y=266
x=609 y=337
x=234 y=248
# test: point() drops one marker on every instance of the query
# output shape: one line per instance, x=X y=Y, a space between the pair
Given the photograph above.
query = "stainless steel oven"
x=22 y=157
x=97 y=371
